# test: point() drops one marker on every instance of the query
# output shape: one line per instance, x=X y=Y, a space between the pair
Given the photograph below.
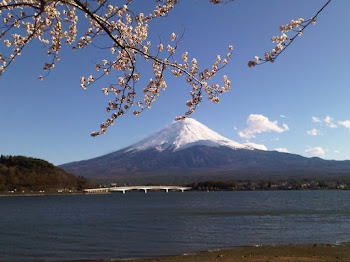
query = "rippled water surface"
x=158 y=223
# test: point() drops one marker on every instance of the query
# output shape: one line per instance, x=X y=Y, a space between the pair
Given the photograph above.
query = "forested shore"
x=292 y=184
x=19 y=174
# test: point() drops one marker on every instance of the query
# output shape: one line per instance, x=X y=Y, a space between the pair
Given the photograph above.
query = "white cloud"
x=282 y=150
x=336 y=151
x=316 y=120
x=328 y=121
x=313 y=132
x=283 y=116
x=285 y=126
x=258 y=124
x=235 y=128
x=315 y=151
x=256 y=146
x=345 y=123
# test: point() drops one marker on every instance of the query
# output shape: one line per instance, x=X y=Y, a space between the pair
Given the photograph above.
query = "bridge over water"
x=123 y=189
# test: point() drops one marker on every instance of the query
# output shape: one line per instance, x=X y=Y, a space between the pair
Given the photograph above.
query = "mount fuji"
x=188 y=151
x=184 y=134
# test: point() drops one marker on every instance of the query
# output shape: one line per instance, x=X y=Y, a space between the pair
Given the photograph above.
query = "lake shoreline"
x=106 y=193
x=271 y=253
x=39 y=194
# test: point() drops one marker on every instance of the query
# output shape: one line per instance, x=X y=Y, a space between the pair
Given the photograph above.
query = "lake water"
x=56 y=228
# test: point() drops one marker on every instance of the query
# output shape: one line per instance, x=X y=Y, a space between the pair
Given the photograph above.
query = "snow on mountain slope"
x=183 y=134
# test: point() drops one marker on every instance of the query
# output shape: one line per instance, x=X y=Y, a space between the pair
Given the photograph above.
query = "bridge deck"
x=129 y=188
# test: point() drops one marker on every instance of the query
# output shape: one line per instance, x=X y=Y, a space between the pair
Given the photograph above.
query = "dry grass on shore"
x=276 y=253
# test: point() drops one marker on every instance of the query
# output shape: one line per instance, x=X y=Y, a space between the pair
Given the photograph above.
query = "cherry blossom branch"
x=283 y=41
x=54 y=23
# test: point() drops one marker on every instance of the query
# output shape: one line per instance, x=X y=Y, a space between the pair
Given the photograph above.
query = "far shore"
x=272 y=253
x=42 y=194
x=36 y=193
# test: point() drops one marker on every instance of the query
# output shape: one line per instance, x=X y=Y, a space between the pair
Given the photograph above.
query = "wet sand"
x=276 y=253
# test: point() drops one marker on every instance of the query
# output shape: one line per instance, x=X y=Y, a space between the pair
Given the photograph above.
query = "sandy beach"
x=276 y=253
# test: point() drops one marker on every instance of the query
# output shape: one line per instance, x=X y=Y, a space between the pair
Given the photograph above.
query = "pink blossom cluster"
x=22 y=21
x=54 y=23
x=215 y=2
x=282 y=41
x=199 y=82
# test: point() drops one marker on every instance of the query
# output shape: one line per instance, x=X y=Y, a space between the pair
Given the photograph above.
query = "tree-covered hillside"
x=25 y=173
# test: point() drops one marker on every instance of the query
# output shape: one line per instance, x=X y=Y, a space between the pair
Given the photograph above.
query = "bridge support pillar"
x=123 y=191
x=145 y=190
x=167 y=190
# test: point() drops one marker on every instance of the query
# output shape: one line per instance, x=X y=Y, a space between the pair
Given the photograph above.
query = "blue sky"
x=299 y=104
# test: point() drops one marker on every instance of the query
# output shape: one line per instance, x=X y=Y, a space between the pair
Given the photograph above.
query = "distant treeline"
x=306 y=184
x=21 y=173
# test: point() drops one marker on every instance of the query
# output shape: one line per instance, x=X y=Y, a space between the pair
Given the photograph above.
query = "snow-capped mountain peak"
x=183 y=134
